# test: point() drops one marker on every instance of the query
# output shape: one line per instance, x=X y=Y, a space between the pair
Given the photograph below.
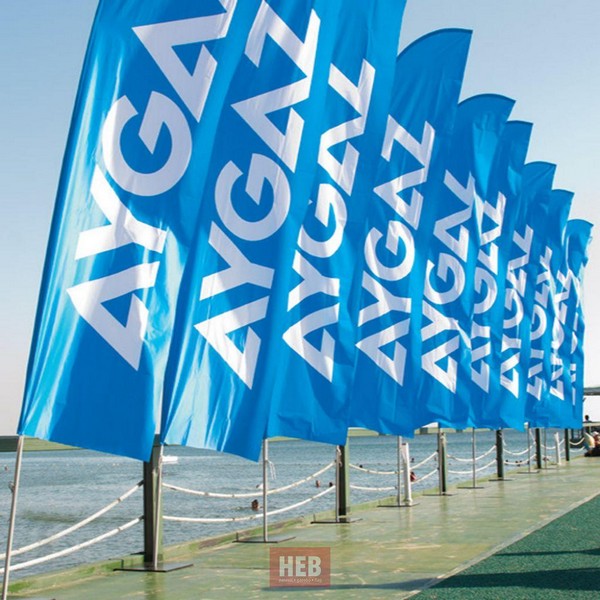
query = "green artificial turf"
x=558 y=561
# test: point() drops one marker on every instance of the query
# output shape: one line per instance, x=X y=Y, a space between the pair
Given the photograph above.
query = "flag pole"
x=13 y=513
x=158 y=515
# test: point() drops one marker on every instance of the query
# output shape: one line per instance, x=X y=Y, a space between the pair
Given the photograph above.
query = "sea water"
x=60 y=488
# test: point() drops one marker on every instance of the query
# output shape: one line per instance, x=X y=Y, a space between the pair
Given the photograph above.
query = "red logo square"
x=300 y=567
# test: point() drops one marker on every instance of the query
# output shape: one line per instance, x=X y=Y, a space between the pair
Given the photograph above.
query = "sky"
x=542 y=53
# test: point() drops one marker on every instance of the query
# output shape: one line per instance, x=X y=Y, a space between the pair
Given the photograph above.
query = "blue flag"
x=578 y=238
x=154 y=77
x=314 y=351
x=449 y=292
x=554 y=409
x=531 y=221
x=234 y=290
x=500 y=211
x=545 y=386
x=426 y=90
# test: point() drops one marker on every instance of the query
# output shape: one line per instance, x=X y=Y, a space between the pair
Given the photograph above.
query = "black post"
x=538 y=448
x=442 y=462
x=343 y=492
x=567 y=445
x=152 y=537
x=500 y=453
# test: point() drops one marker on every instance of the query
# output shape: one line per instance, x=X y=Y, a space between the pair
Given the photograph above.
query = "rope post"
x=500 y=454
x=567 y=445
x=408 y=501
x=557 y=444
x=153 y=551
x=13 y=514
x=265 y=490
x=538 y=448
x=442 y=463
x=343 y=484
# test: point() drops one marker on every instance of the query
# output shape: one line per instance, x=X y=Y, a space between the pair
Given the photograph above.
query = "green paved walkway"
x=559 y=561
x=394 y=552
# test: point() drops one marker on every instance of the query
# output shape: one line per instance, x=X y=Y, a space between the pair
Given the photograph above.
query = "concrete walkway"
x=388 y=553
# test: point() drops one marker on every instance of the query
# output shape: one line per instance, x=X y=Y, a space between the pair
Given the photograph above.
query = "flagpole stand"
x=499 y=457
x=403 y=478
x=529 y=456
x=13 y=515
x=473 y=485
x=342 y=489
x=539 y=460
x=153 y=541
x=265 y=538
x=442 y=465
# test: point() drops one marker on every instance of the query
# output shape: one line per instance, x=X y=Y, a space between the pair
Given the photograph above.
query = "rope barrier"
x=424 y=477
x=284 y=488
x=373 y=489
x=67 y=551
x=424 y=461
x=470 y=460
x=576 y=444
x=373 y=471
x=507 y=451
x=247 y=518
x=77 y=526
x=471 y=470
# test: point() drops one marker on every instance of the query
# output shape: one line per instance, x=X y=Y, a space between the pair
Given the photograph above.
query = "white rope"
x=470 y=471
x=66 y=551
x=424 y=461
x=507 y=451
x=373 y=471
x=493 y=462
x=470 y=460
x=460 y=472
x=372 y=489
x=549 y=447
x=77 y=526
x=430 y=474
x=248 y=518
x=575 y=444
x=177 y=488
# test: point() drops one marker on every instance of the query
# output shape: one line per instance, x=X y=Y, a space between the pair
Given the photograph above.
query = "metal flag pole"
x=474 y=457
x=158 y=515
x=265 y=489
x=408 y=501
x=473 y=485
x=528 y=449
x=400 y=471
x=13 y=514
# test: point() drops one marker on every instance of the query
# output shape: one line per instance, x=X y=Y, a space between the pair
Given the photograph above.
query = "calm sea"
x=60 y=488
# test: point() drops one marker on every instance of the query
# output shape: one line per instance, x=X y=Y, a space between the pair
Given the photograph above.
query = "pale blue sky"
x=543 y=53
